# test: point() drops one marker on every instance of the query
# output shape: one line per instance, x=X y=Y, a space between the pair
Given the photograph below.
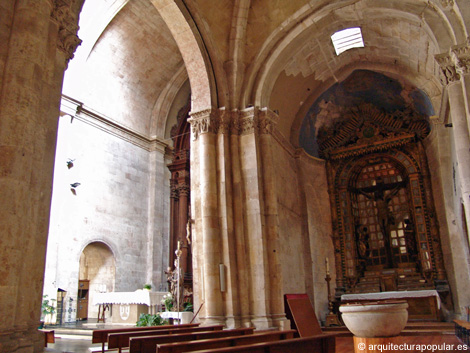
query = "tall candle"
x=327 y=266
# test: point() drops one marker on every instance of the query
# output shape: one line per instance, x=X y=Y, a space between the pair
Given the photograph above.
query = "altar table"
x=422 y=304
x=127 y=306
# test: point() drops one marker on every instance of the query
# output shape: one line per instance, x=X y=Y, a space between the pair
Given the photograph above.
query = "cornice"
x=76 y=110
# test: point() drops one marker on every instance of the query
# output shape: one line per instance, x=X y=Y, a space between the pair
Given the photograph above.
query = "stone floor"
x=75 y=337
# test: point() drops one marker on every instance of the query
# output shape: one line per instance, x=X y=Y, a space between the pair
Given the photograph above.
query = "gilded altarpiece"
x=385 y=230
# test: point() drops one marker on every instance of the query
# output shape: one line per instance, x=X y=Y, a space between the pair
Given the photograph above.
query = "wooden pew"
x=121 y=340
x=149 y=343
x=462 y=331
x=101 y=336
x=324 y=343
x=180 y=347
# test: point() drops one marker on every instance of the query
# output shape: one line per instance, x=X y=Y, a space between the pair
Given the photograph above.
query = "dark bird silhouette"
x=70 y=163
x=74 y=185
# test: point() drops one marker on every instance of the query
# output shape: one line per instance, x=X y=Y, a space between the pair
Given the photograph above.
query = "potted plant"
x=148 y=286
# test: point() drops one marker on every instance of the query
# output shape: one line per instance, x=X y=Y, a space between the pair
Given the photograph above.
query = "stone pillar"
x=455 y=74
x=42 y=39
x=204 y=126
x=267 y=121
x=238 y=191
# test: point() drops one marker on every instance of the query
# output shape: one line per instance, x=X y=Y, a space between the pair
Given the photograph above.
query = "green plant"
x=147 y=286
x=150 y=320
x=47 y=307
x=168 y=302
x=188 y=306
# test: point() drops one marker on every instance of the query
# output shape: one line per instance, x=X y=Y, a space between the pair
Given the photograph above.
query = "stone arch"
x=97 y=265
x=192 y=48
x=279 y=47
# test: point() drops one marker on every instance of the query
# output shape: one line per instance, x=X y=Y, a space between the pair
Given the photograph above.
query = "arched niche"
x=97 y=271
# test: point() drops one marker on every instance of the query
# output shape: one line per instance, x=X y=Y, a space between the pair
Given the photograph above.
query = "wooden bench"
x=149 y=343
x=462 y=331
x=324 y=343
x=121 y=340
x=49 y=336
x=101 y=336
x=180 y=347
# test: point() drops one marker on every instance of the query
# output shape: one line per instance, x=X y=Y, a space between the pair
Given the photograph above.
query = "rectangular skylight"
x=347 y=39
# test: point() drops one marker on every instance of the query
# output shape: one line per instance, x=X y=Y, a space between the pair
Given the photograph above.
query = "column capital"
x=254 y=120
x=204 y=121
x=235 y=122
x=454 y=63
x=67 y=39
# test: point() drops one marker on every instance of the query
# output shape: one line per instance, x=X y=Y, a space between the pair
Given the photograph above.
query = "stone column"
x=267 y=122
x=242 y=269
x=42 y=39
x=455 y=73
x=204 y=126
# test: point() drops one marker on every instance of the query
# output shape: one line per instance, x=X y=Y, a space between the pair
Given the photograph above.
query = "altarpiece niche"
x=385 y=230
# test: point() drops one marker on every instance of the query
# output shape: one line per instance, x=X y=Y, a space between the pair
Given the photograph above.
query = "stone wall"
x=317 y=201
x=122 y=201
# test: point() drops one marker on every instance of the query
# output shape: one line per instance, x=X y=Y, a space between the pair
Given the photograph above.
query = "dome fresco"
x=361 y=87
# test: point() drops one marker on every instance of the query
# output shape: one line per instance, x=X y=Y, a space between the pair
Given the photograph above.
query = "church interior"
x=266 y=147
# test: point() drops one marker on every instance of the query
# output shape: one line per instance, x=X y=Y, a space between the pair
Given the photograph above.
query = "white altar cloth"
x=394 y=295
x=140 y=296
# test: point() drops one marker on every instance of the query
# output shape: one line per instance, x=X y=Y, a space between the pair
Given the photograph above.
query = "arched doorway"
x=96 y=275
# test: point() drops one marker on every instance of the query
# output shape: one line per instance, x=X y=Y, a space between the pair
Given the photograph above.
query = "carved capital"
x=66 y=20
x=203 y=122
x=224 y=121
x=454 y=63
x=173 y=190
x=248 y=121
x=267 y=121
x=447 y=3
x=448 y=72
x=183 y=190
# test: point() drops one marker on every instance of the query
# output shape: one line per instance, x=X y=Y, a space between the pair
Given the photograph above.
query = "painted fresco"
x=362 y=86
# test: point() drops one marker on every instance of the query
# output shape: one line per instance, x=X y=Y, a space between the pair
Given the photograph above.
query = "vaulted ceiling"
x=137 y=55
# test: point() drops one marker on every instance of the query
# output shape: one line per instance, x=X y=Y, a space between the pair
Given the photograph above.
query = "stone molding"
x=454 y=63
x=67 y=39
x=235 y=122
x=76 y=110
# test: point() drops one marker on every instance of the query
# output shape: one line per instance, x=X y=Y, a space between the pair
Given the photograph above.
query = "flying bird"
x=74 y=185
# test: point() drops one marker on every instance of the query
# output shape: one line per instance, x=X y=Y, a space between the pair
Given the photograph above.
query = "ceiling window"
x=347 y=39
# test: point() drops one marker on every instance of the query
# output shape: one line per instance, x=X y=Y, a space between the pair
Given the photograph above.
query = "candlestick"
x=327 y=266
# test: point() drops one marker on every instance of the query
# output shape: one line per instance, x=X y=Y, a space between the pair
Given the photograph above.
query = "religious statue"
x=382 y=194
x=362 y=242
x=410 y=239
